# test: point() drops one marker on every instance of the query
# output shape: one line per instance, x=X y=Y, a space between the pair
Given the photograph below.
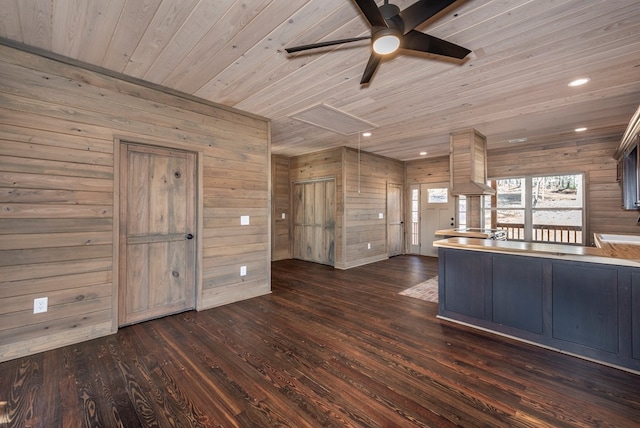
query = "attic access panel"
x=332 y=119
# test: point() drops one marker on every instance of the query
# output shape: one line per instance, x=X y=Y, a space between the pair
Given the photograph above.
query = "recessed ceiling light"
x=579 y=82
x=580 y=129
x=366 y=134
x=423 y=153
x=517 y=140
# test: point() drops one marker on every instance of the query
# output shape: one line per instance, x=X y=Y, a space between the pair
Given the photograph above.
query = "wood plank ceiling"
x=512 y=86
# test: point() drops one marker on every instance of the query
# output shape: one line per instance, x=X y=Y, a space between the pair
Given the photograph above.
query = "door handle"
x=189 y=236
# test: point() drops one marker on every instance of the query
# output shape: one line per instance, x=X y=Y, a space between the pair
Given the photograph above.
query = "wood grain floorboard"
x=327 y=348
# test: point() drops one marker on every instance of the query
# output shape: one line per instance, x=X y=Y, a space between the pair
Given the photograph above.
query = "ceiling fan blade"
x=323 y=44
x=372 y=65
x=421 y=42
x=422 y=10
x=370 y=11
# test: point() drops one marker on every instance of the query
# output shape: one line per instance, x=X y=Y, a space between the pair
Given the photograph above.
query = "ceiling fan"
x=393 y=29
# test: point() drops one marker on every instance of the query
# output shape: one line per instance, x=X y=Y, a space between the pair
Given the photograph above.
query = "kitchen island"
x=583 y=301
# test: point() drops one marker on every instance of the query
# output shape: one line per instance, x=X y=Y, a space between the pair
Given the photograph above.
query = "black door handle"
x=189 y=236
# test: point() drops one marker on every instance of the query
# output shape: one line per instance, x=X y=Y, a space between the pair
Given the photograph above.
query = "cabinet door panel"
x=585 y=305
x=517 y=292
x=635 y=315
x=466 y=291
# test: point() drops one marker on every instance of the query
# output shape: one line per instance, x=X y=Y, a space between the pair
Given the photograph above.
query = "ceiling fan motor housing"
x=391 y=14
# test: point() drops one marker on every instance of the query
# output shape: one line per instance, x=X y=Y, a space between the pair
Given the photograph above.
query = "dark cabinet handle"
x=189 y=236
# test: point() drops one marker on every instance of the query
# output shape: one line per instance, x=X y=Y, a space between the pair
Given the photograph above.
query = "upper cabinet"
x=630 y=178
x=628 y=156
x=630 y=137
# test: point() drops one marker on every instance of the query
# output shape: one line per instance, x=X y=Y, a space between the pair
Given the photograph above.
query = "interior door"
x=157 y=222
x=314 y=221
x=438 y=211
x=395 y=223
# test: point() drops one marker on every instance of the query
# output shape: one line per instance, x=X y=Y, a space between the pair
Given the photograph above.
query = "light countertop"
x=608 y=253
x=471 y=232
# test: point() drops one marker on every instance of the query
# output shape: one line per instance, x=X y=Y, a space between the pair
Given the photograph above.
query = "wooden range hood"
x=468 y=164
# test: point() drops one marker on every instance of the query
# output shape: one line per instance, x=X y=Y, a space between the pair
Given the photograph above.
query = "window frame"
x=528 y=209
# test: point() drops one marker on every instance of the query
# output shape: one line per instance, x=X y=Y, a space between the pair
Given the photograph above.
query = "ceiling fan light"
x=386 y=41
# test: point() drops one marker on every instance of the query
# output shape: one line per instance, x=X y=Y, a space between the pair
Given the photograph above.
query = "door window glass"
x=438 y=196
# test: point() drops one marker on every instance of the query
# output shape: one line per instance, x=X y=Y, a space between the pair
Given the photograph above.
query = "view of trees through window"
x=540 y=208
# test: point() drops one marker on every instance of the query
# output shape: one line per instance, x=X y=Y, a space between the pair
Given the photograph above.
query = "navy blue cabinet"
x=517 y=292
x=587 y=309
x=635 y=315
x=585 y=305
x=459 y=296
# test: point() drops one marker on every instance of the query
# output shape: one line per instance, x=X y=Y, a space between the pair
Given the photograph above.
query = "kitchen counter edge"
x=620 y=255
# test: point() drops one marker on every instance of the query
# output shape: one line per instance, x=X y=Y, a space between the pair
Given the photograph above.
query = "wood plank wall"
x=280 y=206
x=425 y=171
x=365 y=199
x=60 y=126
x=594 y=158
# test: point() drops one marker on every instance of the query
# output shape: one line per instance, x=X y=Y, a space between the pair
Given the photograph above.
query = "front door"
x=395 y=223
x=438 y=212
x=157 y=222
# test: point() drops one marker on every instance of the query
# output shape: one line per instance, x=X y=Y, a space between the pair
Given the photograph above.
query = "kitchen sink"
x=610 y=238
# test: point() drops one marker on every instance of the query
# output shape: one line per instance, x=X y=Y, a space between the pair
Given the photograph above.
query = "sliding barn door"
x=314 y=209
x=157 y=249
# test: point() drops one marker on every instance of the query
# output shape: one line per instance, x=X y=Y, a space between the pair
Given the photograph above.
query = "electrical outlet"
x=244 y=220
x=368 y=245
x=284 y=216
x=380 y=215
x=243 y=271
x=40 y=305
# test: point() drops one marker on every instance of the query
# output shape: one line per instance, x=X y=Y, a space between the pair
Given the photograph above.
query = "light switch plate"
x=40 y=305
x=380 y=215
x=243 y=270
x=284 y=215
x=244 y=220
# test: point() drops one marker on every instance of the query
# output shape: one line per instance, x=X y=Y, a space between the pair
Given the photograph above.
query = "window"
x=539 y=208
x=510 y=203
x=438 y=195
x=462 y=211
x=415 y=216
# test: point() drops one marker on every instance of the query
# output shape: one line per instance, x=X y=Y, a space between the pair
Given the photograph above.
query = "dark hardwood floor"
x=326 y=348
